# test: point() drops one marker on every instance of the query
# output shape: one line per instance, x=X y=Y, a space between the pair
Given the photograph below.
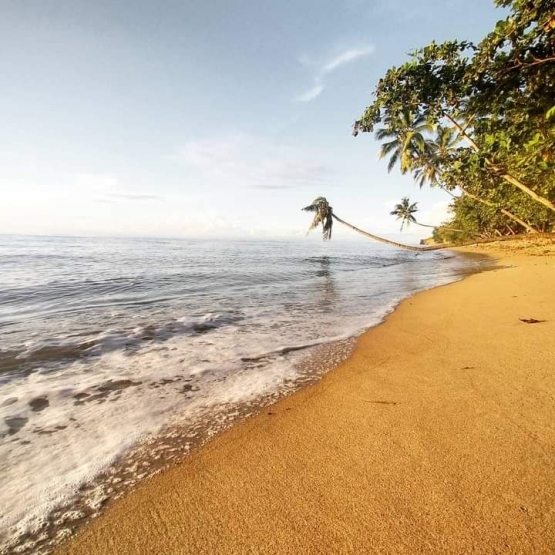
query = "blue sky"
x=191 y=118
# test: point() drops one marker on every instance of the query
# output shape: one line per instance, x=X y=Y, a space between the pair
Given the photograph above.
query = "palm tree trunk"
x=514 y=181
x=434 y=226
x=525 y=225
x=506 y=176
x=427 y=247
x=377 y=238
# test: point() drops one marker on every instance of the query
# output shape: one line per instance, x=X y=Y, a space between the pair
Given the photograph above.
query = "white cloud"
x=312 y=93
x=247 y=162
x=110 y=189
x=390 y=203
x=346 y=57
x=436 y=214
x=328 y=67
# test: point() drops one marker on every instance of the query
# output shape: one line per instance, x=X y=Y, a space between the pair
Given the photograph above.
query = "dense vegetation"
x=478 y=121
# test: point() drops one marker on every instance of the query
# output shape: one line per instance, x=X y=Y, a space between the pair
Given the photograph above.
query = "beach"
x=436 y=436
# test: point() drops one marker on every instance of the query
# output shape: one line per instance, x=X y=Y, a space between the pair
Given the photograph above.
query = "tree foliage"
x=479 y=120
x=322 y=215
x=405 y=211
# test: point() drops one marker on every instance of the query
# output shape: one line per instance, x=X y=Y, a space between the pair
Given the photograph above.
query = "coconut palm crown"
x=405 y=212
x=323 y=214
x=434 y=155
x=404 y=138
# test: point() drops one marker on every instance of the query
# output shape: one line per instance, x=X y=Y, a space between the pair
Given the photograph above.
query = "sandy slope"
x=437 y=436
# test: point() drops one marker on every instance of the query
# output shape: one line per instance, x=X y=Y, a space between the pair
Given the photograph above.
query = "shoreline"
x=93 y=537
x=176 y=441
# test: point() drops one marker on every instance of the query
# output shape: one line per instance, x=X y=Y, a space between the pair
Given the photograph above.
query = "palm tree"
x=427 y=168
x=405 y=212
x=405 y=139
x=431 y=154
x=323 y=214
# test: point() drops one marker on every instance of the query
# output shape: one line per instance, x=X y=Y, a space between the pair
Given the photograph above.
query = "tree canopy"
x=478 y=121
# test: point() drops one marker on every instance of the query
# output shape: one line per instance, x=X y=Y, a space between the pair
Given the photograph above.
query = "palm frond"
x=327 y=227
x=420 y=176
x=323 y=214
x=316 y=204
x=310 y=208
x=393 y=160
x=316 y=221
x=385 y=133
x=388 y=147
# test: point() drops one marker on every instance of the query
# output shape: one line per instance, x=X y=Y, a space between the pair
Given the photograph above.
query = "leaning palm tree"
x=323 y=214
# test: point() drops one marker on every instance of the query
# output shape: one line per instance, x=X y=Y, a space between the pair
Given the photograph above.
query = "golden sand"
x=436 y=436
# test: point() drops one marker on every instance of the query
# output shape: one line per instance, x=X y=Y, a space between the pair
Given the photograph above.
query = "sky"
x=206 y=118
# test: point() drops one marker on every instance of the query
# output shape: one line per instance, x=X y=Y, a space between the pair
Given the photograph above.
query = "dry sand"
x=437 y=436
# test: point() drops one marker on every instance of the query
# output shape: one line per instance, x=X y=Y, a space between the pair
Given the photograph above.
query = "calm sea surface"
x=105 y=342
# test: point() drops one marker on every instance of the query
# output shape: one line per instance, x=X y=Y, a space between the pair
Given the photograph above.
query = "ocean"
x=118 y=356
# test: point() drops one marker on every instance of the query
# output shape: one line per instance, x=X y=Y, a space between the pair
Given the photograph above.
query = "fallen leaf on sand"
x=530 y=320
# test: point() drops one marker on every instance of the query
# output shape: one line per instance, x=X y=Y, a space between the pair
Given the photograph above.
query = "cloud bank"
x=252 y=163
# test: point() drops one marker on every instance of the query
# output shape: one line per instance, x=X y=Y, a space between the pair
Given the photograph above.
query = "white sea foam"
x=85 y=392
x=95 y=409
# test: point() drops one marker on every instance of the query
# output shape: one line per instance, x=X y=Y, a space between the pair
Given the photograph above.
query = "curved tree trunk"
x=394 y=243
x=377 y=238
x=525 y=225
x=434 y=226
x=420 y=249
x=517 y=183
x=514 y=217
x=506 y=176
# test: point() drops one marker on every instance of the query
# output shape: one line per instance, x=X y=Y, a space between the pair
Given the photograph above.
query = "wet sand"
x=436 y=436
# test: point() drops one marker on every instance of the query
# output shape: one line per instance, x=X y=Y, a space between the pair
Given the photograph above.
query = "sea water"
x=106 y=344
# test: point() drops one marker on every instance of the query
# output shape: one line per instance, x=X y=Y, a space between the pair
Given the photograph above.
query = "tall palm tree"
x=405 y=212
x=432 y=153
x=404 y=139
